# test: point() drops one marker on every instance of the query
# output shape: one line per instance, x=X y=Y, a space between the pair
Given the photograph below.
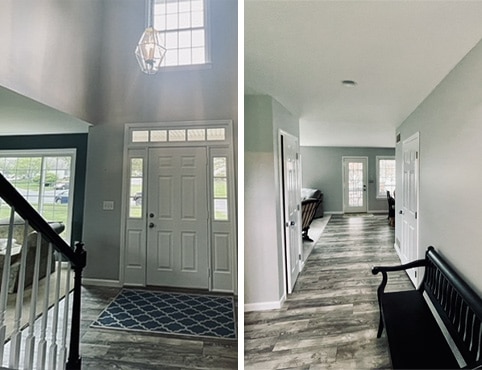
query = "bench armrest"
x=385 y=269
x=406 y=266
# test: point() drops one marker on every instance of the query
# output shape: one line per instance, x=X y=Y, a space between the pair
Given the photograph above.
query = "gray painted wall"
x=322 y=169
x=450 y=126
x=51 y=51
x=263 y=257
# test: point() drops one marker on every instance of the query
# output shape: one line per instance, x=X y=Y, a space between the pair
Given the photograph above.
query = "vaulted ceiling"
x=397 y=52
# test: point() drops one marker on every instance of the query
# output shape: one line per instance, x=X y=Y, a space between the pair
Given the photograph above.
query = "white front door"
x=291 y=197
x=409 y=206
x=177 y=234
x=355 y=184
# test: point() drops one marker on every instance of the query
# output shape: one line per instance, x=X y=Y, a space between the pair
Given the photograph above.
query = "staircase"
x=42 y=331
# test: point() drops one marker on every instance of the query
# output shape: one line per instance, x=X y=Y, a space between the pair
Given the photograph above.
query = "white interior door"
x=409 y=207
x=291 y=196
x=177 y=234
x=355 y=171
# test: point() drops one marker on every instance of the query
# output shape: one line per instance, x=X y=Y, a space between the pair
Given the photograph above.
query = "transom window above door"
x=178 y=135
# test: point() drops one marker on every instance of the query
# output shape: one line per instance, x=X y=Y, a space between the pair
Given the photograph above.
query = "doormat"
x=170 y=313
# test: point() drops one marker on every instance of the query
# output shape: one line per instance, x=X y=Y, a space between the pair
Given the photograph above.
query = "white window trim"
x=378 y=159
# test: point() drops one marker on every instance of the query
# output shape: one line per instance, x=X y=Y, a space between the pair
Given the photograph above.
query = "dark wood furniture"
x=308 y=210
x=315 y=194
x=415 y=339
x=391 y=209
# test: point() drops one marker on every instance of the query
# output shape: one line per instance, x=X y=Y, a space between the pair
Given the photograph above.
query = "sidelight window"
x=220 y=186
x=135 y=188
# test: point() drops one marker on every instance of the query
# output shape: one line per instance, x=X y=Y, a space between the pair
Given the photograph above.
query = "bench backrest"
x=459 y=307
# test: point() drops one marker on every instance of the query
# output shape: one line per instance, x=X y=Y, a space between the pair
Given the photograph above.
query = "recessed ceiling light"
x=348 y=83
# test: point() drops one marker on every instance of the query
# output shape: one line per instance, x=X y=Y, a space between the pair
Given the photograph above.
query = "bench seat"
x=415 y=339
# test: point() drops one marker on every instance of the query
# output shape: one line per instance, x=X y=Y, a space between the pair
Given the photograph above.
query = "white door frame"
x=288 y=284
x=363 y=209
x=416 y=253
x=218 y=139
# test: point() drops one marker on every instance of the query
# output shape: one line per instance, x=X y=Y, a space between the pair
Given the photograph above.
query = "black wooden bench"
x=415 y=339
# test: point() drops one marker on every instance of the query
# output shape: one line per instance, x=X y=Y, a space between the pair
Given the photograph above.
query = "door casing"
x=221 y=234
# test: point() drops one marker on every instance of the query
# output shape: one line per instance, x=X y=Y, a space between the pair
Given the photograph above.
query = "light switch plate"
x=108 y=205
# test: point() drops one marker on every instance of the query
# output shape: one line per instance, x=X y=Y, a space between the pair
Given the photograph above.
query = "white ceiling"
x=298 y=52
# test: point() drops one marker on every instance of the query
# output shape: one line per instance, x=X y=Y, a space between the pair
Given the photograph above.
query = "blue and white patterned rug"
x=170 y=313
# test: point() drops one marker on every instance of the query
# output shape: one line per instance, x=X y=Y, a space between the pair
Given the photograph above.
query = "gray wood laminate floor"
x=110 y=349
x=331 y=319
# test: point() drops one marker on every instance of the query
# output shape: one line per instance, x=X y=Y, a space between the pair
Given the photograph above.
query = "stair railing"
x=44 y=346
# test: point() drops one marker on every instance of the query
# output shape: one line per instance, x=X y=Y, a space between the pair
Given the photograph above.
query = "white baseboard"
x=333 y=212
x=102 y=282
x=263 y=306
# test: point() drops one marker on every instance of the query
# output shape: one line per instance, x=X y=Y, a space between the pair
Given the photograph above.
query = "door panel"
x=292 y=194
x=355 y=171
x=409 y=210
x=177 y=242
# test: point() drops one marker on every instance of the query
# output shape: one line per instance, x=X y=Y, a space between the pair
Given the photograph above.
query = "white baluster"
x=42 y=345
x=65 y=324
x=30 y=340
x=5 y=281
x=17 y=334
x=52 y=362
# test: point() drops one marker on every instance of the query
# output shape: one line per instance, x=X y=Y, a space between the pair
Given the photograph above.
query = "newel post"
x=75 y=360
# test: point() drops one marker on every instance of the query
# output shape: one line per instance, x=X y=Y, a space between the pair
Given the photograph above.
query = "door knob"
x=400 y=212
x=151 y=225
x=151 y=215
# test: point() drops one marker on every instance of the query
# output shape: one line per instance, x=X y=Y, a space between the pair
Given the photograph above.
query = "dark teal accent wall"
x=67 y=141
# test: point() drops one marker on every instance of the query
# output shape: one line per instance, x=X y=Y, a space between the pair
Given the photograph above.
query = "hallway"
x=331 y=319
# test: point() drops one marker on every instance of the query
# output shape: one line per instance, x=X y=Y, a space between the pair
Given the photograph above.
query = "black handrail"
x=27 y=212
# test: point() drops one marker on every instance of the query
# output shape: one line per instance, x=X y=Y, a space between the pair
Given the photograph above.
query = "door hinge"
x=416 y=155
x=415 y=273
x=416 y=215
x=299 y=257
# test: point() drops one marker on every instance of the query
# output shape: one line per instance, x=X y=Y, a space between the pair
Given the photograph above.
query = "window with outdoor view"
x=45 y=180
x=220 y=186
x=135 y=186
x=386 y=176
x=182 y=24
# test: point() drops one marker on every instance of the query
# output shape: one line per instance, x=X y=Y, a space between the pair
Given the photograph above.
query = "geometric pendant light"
x=149 y=50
